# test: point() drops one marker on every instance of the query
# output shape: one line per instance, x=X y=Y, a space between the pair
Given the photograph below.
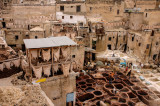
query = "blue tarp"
x=123 y=63
x=142 y=78
x=70 y=97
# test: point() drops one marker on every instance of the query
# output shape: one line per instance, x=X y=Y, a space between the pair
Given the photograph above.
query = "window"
x=27 y=36
x=109 y=38
x=71 y=6
x=109 y=47
x=4 y=24
x=156 y=43
x=16 y=37
x=81 y=24
x=139 y=44
x=36 y=37
x=124 y=38
x=146 y=14
x=78 y=8
x=110 y=9
x=117 y=12
x=90 y=8
x=73 y=56
x=61 y=8
x=152 y=34
x=71 y=17
x=147 y=46
x=133 y=38
x=154 y=57
x=62 y=17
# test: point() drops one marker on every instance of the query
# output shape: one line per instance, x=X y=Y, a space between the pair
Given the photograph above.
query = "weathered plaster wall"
x=71 y=7
x=108 y=11
x=135 y=21
x=152 y=17
x=145 y=4
x=57 y=88
x=66 y=18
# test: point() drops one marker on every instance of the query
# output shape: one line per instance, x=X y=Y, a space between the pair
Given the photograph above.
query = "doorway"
x=70 y=99
x=109 y=47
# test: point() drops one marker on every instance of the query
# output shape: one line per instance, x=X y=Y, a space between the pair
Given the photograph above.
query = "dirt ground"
x=17 y=92
x=22 y=96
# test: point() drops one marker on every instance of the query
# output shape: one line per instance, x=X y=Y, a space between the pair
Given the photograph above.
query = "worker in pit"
x=126 y=70
x=111 y=75
x=129 y=73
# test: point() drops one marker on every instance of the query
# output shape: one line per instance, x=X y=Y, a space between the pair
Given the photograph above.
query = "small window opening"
x=16 y=37
x=36 y=37
x=117 y=12
x=132 y=38
x=147 y=46
x=61 y=8
x=71 y=17
x=109 y=38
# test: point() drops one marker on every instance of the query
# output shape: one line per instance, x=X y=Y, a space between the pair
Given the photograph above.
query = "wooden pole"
x=30 y=68
x=52 y=62
x=70 y=59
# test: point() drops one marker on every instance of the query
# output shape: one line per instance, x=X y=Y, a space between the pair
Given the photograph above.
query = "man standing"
x=129 y=73
x=110 y=77
x=126 y=69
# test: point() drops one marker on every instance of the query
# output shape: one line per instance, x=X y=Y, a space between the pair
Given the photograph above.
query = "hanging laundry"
x=1 y=66
x=37 y=71
x=46 y=55
x=56 y=53
x=66 y=68
x=16 y=62
x=73 y=35
x=74 y=65
x=47 y=70
x=7 y=65
x=55 y=68
x=34 y=54
x=65 y=52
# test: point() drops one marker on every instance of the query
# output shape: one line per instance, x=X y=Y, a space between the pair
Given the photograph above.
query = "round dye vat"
x=82 y=83
x=90 y=89
x=83 y=86
x=109 y=86
x=98 y=93
x=122 y=100
x=124 y=95
x=89 y=80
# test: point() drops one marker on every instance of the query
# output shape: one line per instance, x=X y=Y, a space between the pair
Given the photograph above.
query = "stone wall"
x=145 y=4
x=144 y=45
x=135 y=21
x=152 y=16
x=108 y=12
x=78 y=52
x=57 y=88
x=71 y=7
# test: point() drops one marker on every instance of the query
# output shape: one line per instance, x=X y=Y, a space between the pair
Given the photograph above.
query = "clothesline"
x=41 y=64
x=10 y=59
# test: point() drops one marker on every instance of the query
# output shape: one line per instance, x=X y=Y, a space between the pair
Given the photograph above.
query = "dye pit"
x=92 y=90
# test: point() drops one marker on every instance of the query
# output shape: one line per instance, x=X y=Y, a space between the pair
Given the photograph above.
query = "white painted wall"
x=67 y=19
